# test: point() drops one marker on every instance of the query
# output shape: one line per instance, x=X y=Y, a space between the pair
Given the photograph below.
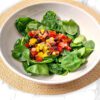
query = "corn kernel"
x=45 y=55
x=41 y=46
x=48 y=40
x=42 y=31
x=40 y=54
x=32 y=41
x=45 y=48
x=37 y=49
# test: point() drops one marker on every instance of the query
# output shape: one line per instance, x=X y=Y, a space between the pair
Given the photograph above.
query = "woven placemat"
x=20 y=83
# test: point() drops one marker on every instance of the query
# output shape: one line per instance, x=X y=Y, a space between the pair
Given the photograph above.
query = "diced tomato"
x=51 y=49
x=68 y=48
x=31 y=34
x=64 y=37
x=52 y=34
x=60 y=48
x=27 y=45
x=62 y=44
x=33 y=52
x=61 y=36
x=39 y=59
x=45 y=35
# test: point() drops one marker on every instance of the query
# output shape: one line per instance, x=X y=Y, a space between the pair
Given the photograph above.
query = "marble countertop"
x=91 y=92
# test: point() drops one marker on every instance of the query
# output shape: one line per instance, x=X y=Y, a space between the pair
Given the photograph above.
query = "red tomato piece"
x=51 y=49
x=39 y=59
x=31 y=34
x=68 y=48
x=33 y=52
x=27 y=45
x=62 y=36
x=62 y=44
x=52 y=34
x=60 y=48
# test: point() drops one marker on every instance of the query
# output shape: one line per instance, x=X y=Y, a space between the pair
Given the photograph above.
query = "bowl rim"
x=42 y=81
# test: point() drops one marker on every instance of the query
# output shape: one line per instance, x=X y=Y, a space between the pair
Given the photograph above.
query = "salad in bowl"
x=51 y=46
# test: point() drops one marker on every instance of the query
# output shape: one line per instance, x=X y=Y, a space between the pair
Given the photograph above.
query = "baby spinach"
x=79 y=39
x=89 y=47
x=38 y=69
x=71 y=27
x=81 y=51
x=21 y=24
x=72 y=62
x=50 y=20
x=20 y=52
x=33 y=25
x=74 y=45
x=56 y=69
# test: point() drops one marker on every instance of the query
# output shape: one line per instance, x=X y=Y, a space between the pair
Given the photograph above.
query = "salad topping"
x=44 y=43
x=51 y=46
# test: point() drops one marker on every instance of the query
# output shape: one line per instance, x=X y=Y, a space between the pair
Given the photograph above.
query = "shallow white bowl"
x=88 y=27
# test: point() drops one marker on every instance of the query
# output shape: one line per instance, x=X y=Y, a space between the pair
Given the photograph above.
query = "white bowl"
x=88 y=27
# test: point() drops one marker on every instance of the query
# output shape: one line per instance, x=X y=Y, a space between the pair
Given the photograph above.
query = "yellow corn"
x=32 y=41
x=45 y=55
x=45 y=48
x=50 y=40
x=37 y=49
x=41 y=46
x=40 y=54
x=42 y=31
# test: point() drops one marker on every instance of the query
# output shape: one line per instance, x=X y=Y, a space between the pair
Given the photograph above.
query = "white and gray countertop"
x=91 y=92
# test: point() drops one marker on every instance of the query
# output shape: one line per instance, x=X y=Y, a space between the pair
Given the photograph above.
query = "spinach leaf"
x=50 y=20
x=89 y=47
x=81 y=51
x=79 y=39
x=71 y=36
x=72 y=62
x=56 y=69
x=17 y=43
x=38 y=69
x=20 y=52
x=74 y=45
x=65 y=52
x=21 y=24
x=25 y=65
x=42 y=27
x=33 y=25
x=71 y=27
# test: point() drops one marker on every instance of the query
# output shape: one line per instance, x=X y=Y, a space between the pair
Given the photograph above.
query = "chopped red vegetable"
x=44 y=43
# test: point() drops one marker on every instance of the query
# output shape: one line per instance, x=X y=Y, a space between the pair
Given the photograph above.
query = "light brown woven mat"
x=31 y=87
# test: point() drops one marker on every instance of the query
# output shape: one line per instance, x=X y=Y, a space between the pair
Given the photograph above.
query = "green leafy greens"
x=64 y=63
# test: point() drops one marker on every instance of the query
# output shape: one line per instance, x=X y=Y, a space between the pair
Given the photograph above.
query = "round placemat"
x=20 y=83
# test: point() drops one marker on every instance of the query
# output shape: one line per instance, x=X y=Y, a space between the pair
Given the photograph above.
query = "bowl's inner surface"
x=88 y=27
